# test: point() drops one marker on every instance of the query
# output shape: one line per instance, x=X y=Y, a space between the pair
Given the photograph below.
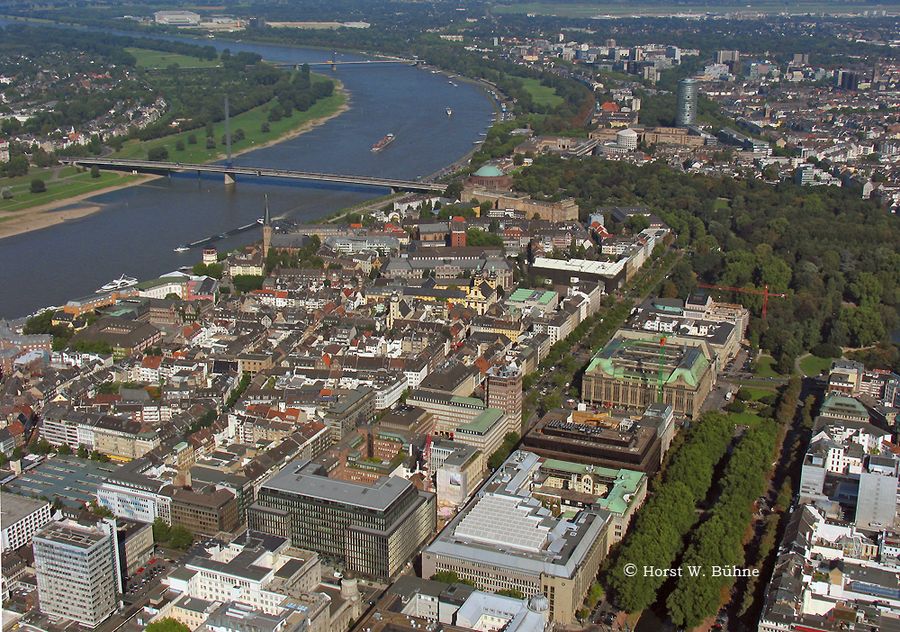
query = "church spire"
x=266 y=231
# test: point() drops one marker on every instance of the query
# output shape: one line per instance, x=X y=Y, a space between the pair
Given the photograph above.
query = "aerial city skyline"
x=481 y=316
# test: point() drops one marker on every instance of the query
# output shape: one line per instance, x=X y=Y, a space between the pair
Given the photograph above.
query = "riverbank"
x=52 y=213
x=179 y=147
x=29 y=218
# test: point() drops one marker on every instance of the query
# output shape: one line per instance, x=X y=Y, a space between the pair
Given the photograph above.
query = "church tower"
x=266 y=232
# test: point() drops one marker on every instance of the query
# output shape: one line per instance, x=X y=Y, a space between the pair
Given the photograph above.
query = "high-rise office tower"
x=77 y=570
x=504 y=391
x=686 y=108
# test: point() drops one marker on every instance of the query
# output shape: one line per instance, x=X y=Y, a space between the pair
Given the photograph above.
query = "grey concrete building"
x=78 y=575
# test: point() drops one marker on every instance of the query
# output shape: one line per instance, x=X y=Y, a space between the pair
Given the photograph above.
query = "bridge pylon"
x=230 y=180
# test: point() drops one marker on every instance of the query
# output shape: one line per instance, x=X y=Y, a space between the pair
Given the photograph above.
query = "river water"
x=138 y=228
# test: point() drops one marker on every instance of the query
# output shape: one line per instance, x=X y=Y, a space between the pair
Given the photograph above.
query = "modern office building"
x=133 y=496
x=21 y=517
x=77 y=570
x=686 y=106
x=505 y=539
x=368 y=529
x=209 y=511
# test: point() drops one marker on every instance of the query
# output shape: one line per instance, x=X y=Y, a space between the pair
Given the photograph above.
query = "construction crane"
x=661 y=376
x=748 y=290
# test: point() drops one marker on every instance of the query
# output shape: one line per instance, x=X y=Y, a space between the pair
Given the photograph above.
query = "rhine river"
x=139 y=227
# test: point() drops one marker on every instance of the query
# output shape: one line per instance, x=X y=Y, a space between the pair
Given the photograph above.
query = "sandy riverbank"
x=46 y=215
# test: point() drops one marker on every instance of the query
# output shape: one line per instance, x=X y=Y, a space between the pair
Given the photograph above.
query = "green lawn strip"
x=70 y=187
x=250 y=121
x=765 y=367
x=761 y=383
x=153 y=59
x=39 y=173
x=746 y=418
x=757 y=393
x=812 y=365
x=541 y=94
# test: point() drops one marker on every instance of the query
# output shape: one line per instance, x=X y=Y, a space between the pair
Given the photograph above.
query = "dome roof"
x=538 y=603
x=489 y=171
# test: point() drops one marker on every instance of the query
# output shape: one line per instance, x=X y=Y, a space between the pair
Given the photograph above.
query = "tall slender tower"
x=686 y=108
x=266 y=231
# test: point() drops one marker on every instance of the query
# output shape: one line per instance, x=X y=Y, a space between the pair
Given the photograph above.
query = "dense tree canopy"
x=841 y=284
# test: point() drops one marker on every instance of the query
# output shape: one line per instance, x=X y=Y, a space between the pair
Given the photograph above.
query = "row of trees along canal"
x=698 y=515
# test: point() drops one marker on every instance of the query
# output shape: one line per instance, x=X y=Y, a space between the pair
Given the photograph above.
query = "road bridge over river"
x=231 y=172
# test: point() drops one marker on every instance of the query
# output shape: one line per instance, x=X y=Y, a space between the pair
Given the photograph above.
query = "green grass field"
x=154 y=59
x=541 y=94
x=813 y=365
x=757 y=393
x=249 y=121
x=765 y=367
x=746 y=418
x=70 y=186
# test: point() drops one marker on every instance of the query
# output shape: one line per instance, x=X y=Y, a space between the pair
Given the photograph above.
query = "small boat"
x=118 y=284
x=449 y=112
x=181 y=249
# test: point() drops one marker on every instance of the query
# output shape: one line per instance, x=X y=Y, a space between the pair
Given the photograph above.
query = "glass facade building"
x=372 y=530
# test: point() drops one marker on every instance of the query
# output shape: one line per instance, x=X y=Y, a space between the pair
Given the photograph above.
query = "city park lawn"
x=69 y=183
x=157 y=59
x=541 y=94
x=765 y=367
x=250 y=121
x=757 y=393
x=746 y=418
x=812 y=365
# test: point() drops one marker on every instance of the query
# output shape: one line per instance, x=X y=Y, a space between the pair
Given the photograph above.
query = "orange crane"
x=747 y=290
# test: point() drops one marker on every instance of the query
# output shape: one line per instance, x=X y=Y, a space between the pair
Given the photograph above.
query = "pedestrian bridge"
x=231 y=172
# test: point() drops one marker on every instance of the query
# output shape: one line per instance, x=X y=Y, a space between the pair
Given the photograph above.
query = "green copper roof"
x=622 y=483
x=483 y=422
x=488 y=171
x=841 y=404
x=473 y=401
x=523 y=294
